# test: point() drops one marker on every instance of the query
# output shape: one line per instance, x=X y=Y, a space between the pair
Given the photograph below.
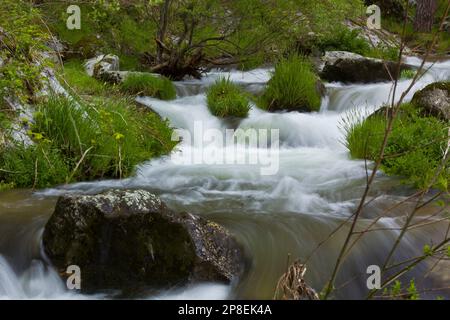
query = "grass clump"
x=75 y=141
x=293 y=86
x=414 y=150
x=226 y=99
x=149 y=85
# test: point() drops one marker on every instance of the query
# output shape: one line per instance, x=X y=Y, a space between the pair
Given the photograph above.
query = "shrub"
x=293 y=86
x=414 y=149
x=149 y=85
x=226 y=99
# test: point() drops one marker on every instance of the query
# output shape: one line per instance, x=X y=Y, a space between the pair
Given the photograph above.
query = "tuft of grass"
x=414 y=150
x=407 y=74
x=226 y=99
x=149 y=85
x=293 y=86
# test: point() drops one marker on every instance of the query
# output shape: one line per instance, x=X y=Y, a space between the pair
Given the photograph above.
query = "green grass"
x=414 y=150
x=77 y=78
x=293 y=86
x=149 y=85
x=345 y=39
x=75 y=141
x=38 y=166
x=226 y=99
x=407 y=74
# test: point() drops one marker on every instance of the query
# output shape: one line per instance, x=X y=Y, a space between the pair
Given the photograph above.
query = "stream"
x=316 y=188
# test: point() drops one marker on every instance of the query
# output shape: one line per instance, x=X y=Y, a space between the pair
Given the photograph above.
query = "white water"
x=317 y=185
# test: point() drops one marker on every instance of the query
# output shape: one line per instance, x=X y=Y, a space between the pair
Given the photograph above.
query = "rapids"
x=317 y=186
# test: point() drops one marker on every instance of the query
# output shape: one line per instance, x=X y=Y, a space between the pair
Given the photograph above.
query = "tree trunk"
x=425 y=11
x=162 y=28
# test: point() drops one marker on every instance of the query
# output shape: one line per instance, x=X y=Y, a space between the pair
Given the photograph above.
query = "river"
x=315 y=189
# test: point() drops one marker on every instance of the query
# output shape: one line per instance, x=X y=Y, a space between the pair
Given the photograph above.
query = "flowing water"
x=315 y=189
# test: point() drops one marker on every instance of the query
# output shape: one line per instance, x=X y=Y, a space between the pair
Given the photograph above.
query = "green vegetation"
x=149 y=85
x=22 y=39
x=293 y=86
x=407 y=74
x=75 y=141
x=350 y=40
x=226 y=99
x=77 y=79
x=417 y=40
x=414 y=150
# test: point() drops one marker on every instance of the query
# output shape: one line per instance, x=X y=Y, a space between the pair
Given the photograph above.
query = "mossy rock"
x=434 y=100
x=129 y=239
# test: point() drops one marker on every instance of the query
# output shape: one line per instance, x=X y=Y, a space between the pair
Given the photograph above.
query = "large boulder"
x=348 y=67
x=434 y=100
x=125 y=239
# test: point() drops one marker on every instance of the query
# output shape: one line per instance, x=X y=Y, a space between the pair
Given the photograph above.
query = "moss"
x=226 y=99
x=149 y=85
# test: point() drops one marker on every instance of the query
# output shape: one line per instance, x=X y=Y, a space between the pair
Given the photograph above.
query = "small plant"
x=149 y=85
x=226 y=99
x=407 y=74
x=293 y=86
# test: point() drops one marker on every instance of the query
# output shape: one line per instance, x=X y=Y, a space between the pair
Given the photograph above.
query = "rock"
x=98 y=66
x=130 y=239
x=347 y=67
x=434 y=100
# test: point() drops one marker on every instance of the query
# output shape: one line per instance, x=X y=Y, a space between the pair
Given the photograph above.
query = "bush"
x=149 y=85
x=226 y=99
x=293 y=86
x=414 y=149
x=75 y=141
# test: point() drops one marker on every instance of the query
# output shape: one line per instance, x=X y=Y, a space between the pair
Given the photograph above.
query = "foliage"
x=38 y=166
x=226 y=99
x=76 y=141
x=345 y=39
x=414 y=149
x=149 y=85
x=407 y=74
x=293 y=86
x=22 y=37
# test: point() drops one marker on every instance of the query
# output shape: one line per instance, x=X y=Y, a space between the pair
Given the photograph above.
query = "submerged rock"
x=348 y=67
x=434 y=100
x=130 y=239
